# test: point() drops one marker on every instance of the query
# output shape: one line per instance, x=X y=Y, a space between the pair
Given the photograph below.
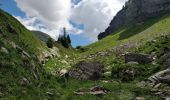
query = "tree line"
x=63 y=39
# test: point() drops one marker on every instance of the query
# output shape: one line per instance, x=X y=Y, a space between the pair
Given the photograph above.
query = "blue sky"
x=83 y=19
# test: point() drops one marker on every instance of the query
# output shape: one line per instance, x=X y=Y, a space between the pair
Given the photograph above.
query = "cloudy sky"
x=84 y=19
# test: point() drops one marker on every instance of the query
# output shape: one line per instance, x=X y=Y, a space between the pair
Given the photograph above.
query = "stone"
x=138 y=58
x=96 y=90
x=4 y=50
x=24 y=81
x=165 y=60
x=157 y=85
x=127 y=74
x=10 y=28
x=139 y=98
x=63 y=72
x=161 y=77
x=136 y=12
x=87 y=70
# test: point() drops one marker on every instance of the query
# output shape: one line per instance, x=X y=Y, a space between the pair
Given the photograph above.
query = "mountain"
x=136 y=12
x=42 y=36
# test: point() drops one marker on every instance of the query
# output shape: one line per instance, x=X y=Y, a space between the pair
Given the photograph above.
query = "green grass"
x=141 y=33
x=21 y=36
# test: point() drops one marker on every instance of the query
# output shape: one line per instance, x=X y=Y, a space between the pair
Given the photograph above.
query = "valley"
x=131 y=63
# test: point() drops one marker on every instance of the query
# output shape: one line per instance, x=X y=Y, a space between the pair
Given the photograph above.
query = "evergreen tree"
x=68 y=39
x=65 y=39
x=50 y=43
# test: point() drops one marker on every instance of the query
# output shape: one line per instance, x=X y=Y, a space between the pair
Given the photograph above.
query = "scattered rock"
x=63 y=72
x=49 y=93
x=96 y=90
x=157 y=85
x=138 y=58
x=161 y=77
x=11 y=29
x=165 y=59
x=87 y=70
x=24 y=81
x=4 y=50
x=126 y=74
x=48 y=54
x=139 y=98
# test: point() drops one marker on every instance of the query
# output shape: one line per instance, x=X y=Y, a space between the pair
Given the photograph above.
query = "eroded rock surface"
x=87 y=71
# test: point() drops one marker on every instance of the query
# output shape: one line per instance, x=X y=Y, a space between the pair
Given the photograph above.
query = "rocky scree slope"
x=136 y=12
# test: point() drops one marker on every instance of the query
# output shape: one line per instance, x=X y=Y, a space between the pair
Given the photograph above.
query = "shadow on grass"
x=135 y=29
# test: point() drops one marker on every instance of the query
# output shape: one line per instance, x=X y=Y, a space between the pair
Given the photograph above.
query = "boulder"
x=4 y=50
x=161 y=77
x=165 y=59
x=126 y=74
x=10 y=28
x=138 y=58
x=87 y=71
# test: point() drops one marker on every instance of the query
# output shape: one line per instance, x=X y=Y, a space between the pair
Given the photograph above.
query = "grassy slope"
x=14 y=66
x=138 y=33
x=21 y=36
x=42 y=36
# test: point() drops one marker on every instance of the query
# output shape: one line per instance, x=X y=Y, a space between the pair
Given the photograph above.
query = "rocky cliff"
x=136 y=11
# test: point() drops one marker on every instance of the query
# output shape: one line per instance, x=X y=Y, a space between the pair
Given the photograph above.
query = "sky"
x=83 y=19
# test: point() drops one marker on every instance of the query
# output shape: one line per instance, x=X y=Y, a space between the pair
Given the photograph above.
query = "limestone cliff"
x=136 y=11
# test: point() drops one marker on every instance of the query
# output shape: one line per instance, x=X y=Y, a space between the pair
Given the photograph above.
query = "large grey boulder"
x=87 y=71
x=139 y=58
x=136 y=12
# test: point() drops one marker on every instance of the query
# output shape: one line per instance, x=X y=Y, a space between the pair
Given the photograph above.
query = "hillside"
x=13 y=31
x=136 y=34
x=42 y=36
x=20 y=68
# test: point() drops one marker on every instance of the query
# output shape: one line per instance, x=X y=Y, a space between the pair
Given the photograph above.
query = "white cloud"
x=95 y=15
x=56 y=14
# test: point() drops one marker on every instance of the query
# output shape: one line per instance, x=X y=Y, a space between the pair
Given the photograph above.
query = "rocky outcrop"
x=139 y=58
x=87 y=71
x=136 y=11
x=165 y=60
x=96 y=90
x=160 y=77
x=48 y=54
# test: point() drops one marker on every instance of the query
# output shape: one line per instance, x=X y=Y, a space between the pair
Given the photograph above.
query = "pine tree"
x=68 y=39
x=50 y=43
x=65 y=39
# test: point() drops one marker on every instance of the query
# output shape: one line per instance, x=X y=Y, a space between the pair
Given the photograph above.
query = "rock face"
x=139 y=58
x=87 y=71
x=46 y=55
x=161 y=77
x=165 y=60
x=136 y=11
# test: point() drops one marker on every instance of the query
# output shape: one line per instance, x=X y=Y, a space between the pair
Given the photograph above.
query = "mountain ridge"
x=136 y=12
